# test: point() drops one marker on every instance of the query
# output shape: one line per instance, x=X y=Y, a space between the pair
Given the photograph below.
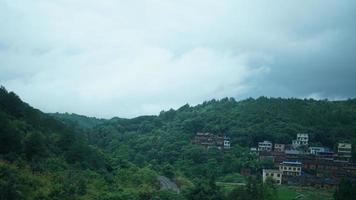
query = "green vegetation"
x=305 y=193
x=345 y=191
x=43 y=158
x=78 y=121
x=67 y=156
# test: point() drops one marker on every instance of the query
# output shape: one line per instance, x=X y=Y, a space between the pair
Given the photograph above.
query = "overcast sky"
x=110 y=58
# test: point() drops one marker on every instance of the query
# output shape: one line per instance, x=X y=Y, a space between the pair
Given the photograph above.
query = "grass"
x=230 y=181
x=304 y=193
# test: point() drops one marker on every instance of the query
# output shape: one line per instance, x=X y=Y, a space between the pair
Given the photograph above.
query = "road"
x=166 y=183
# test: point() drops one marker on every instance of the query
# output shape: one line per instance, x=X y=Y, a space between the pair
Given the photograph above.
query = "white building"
x=316 y=150
x=226 y=142
x=291 y=168
x=302 y=140
x=344 y=151
x=344 y=148
x=265 y=146
x=253 y=150
x=275 y=175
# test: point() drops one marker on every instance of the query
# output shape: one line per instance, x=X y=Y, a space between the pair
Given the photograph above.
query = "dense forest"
x=68 y=156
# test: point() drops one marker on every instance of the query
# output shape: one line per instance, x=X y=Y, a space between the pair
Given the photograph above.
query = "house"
x=226 y=142
x=265 y=146
x=344 y=148
x=344 y=151
x=275 y=175
x=317 y=150
x=253 y=149
x=204 y=139
x=209 y=140
x=302 y=140
x=291 y=168
x=279 y=147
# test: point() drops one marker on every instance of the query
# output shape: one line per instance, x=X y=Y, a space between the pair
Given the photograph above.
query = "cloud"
x=128 y=58
x=151 y=80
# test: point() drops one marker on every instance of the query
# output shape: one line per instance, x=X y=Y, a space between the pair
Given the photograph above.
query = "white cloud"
x=151 y=80
x=127 y=58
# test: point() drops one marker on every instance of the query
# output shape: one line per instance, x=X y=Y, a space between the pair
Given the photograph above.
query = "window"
x=278 y=175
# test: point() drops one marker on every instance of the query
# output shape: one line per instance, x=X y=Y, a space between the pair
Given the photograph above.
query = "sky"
x=138 y=57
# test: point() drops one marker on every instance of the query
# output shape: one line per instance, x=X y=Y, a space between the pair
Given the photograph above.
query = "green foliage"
x=43 y=158
x=346 y=190
x=34 y=144
x=233 y=178
x=75 y=120
x=205 y=190
x=10 y=139
x=167 y=195
x=254 y=190
x=19 y=184
x=168 y=171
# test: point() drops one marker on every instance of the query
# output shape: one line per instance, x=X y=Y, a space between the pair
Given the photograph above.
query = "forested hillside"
x=62 y=156
x=167 y=136
x=43 y=158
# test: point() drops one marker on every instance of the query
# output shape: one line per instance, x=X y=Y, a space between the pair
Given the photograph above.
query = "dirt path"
x=166 y=183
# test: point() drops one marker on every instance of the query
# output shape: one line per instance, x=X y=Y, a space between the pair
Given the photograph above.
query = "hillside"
x=248 y=121
x=68 y=156
x=166 y=138
x=43 y=158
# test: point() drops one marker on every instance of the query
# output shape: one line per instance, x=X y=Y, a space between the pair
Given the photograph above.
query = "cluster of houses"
x=209 y=140
x=297 y=163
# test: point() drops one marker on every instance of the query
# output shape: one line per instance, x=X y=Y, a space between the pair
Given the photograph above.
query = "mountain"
x=69 y=156
x=166 y=138
x=44 y=158
x=249 y=121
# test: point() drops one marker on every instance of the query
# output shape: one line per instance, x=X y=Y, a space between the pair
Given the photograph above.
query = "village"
x=296 y=163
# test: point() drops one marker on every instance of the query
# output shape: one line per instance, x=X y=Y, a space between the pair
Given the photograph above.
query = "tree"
x=34 y=145
x=204 y=190
x=10 y=138
x=345 y=191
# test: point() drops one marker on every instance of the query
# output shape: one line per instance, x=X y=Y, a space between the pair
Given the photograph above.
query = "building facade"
x=318 y=150
x=291 y=168
x=302 y=140
x=275 y=175
x=279 y=147
x=344 y=148
x=265 y=146
x=344 y=151
x=209 y=140
x=226 y=142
